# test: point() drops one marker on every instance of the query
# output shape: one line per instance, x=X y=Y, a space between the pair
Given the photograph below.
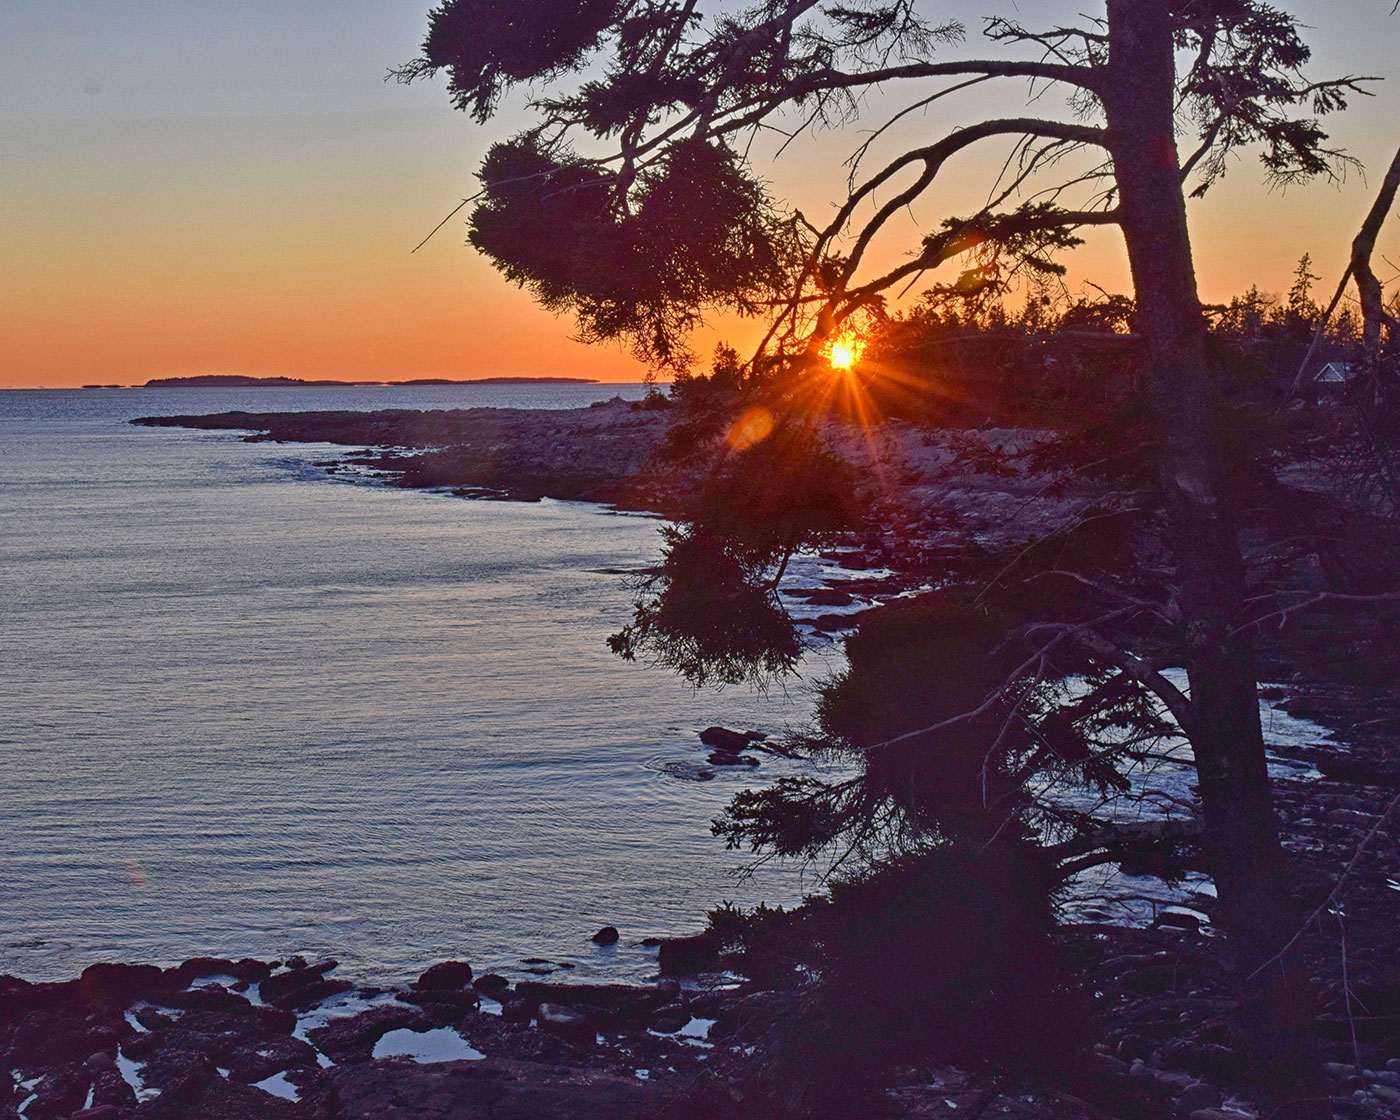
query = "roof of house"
x=1337 y=371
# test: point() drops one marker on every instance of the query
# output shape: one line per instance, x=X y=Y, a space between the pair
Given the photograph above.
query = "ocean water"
x=249 y=709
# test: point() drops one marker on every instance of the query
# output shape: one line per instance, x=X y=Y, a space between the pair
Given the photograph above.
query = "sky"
x=190 y=187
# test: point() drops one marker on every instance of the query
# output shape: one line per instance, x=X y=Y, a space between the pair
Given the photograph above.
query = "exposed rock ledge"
x=586 y=454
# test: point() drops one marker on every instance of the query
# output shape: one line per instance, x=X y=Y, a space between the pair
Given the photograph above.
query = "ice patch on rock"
x=440 y=1045
x=696 y=1028
x=342 y=1006
x=131 y=1073
x=278 y=1086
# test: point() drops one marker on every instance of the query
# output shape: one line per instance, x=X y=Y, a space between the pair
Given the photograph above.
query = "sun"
x=843 y=355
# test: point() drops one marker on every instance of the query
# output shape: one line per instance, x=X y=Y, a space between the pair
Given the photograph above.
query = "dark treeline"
x=1047 y=359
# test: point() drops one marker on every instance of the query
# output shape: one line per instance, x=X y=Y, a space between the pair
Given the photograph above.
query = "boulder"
x=729 y=742
x=568 y=1023
x=724 y=758
x=669 y=1019
x=493 y=986
x=517 y=1011
x=302 y=988
x=215 y=997
x=247 y=971
x=608 y=935
x=445 y=1006
x=689 y=954
x=1199 y=1096
x=447 y=974
x=120 y=983
x=830 y=597
x=110 y=1090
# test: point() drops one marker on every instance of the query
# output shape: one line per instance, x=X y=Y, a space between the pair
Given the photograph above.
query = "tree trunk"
x=1373 y=313
x=1241 y=835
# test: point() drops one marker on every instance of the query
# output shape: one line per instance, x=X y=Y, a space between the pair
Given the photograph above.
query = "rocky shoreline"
x=1162 y=994
x=238 y=1040
x=594 y=454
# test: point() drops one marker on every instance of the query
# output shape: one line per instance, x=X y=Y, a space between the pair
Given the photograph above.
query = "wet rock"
x=215 y=997
x=1199 y=1096
x=1213 y=1061
x=302 y=988
x=261 y=1060
x=1132 y=1046
x=448 y=974
x=180 y=1075
x=352 y=1039
x=615 y=999
x=830 y=597
x=751 y=1017
x=608 y=935
x=444 y=1006
x=51 y=1036
x=669 y=1019
x=683 y=955
x=1364 y=772
x=61 y=1092
x=120 y=983
x=724 y=758
x=246 y=971
x=517 y=1011
x=729 y=742
x=1175 y=919
x=110 y=1089
x=1109 y=1066
x=493 y=986
x=495 y=1088
x=568 y=1023
x=668 y=991
x=220 y=1099
x=97 y=1112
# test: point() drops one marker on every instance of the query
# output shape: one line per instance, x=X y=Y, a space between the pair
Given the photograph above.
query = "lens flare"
x=754 y=426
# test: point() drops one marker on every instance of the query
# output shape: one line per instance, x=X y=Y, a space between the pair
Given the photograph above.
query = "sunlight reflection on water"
x=253 y=711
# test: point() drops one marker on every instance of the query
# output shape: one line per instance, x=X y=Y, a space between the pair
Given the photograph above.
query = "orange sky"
x=192 y=189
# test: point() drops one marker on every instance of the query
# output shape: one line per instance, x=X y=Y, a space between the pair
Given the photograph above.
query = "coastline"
x=1163 y=995
x=595 y=454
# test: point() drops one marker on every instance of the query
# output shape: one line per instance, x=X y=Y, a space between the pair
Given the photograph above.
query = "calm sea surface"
x=247 y=709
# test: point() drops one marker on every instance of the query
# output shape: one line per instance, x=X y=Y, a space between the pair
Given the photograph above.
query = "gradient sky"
x=193 y=187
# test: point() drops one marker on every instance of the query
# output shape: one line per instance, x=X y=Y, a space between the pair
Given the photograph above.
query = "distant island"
x=234 y=381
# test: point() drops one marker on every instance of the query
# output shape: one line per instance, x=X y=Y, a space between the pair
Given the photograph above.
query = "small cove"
x=251 y=710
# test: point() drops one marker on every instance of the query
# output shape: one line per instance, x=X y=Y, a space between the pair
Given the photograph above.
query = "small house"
x=1334 y=379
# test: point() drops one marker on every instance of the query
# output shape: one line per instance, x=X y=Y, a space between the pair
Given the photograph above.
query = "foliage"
x=693 y=228
x=630 y=204
x=629 y=201
x=959 y=706
x=713 y=614
x=942 y=959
